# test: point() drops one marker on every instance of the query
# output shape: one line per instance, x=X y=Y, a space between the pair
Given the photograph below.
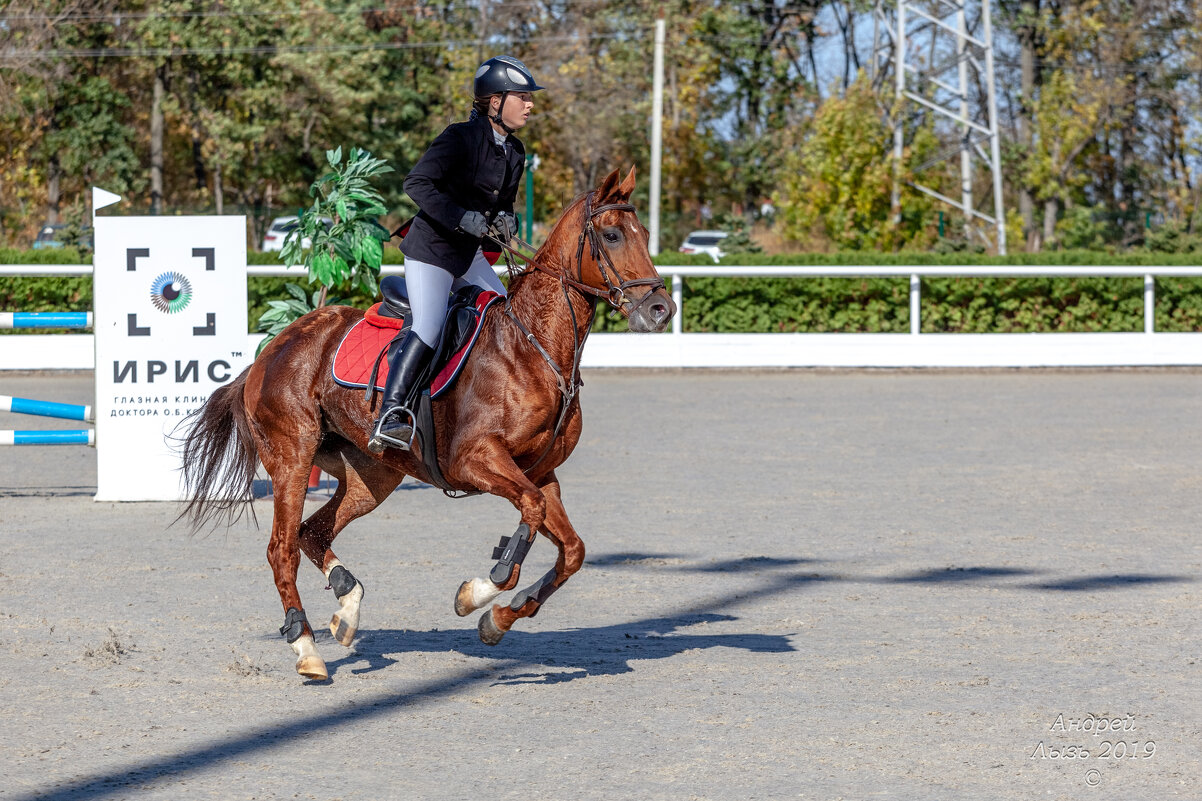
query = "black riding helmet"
x=501 y=75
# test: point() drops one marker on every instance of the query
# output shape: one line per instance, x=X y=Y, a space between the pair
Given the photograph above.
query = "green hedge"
x=960 y=304
x=58 y=293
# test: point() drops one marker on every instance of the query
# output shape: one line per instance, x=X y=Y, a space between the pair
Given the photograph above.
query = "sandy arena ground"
x=800 y=584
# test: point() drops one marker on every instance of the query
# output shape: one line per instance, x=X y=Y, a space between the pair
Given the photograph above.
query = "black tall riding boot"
x=394 y=428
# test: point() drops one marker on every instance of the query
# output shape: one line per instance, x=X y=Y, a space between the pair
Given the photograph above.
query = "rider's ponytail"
x=479 y=108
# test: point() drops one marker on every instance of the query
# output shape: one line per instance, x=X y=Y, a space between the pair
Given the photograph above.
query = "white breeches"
x=429 y=287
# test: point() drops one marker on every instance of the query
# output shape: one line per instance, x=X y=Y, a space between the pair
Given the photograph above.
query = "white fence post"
x=1149 y=304
x=915 y=304
x=678 y=299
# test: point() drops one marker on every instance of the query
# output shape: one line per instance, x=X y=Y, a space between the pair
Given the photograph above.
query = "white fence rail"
x=679 y=349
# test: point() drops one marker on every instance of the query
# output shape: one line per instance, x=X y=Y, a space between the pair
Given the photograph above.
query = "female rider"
x=464 y=183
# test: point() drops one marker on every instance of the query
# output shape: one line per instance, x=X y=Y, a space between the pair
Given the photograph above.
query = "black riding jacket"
x=463 y=170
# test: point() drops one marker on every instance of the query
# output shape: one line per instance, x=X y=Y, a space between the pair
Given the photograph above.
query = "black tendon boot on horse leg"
x=394 y=428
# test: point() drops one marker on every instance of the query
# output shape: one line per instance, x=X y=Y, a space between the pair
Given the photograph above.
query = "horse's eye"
x=613 y=236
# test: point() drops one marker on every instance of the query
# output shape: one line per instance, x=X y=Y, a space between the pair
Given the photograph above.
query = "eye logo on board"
x=170 y=292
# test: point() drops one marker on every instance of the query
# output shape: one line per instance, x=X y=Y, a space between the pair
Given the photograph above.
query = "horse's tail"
x=219 y=459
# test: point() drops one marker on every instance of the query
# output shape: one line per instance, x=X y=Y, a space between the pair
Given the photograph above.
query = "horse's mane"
x=516 y=271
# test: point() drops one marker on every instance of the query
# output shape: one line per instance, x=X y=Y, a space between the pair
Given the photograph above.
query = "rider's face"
x=517 y=108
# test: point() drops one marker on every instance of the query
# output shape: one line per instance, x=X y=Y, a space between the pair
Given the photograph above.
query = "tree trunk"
x=156 y=141
x=198 y=164
x=1026 y=39
x=673 y=98
x=218 y=190
x=1127 y=168
x=53 y=193
x=307 y=136
x=1050 y=207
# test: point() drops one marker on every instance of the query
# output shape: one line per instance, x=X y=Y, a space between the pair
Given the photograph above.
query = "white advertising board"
x=170 y=327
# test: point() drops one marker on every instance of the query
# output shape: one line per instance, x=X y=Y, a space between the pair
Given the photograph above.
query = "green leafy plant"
x=281 y=313
x=337 y=239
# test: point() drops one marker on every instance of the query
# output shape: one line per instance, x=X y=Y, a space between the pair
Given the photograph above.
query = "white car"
x=277 y=232
x=708 y=242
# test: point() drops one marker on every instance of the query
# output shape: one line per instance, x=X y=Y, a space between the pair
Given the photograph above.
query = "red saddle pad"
x=359 y=349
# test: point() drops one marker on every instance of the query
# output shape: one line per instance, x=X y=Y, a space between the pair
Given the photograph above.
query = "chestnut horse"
x=511 y=418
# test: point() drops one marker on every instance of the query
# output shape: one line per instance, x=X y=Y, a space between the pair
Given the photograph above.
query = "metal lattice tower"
x=942 y=60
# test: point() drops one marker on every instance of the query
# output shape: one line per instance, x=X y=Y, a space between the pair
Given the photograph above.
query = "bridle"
x=615 y=288
x=614 y=294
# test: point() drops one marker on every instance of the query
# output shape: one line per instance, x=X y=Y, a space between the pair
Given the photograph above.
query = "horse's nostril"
x=659 y=311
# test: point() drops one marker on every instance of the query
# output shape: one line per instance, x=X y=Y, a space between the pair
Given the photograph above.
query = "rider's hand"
x=474 y=223
x=506 y=226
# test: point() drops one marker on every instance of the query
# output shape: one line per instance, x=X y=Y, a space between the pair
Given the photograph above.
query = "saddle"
x=361 y=361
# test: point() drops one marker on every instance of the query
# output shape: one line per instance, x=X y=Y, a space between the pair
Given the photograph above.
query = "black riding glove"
x=506 y=226
x=474 y=223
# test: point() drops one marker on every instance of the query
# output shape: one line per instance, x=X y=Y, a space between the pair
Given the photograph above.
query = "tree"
x=838 y=186
x=68 y=107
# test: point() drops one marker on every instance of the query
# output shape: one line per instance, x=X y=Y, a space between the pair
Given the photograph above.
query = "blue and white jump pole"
x=45 y=319
x=83 y=436
x=64 y=411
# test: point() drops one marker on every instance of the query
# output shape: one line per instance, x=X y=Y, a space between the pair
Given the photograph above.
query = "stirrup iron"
x=379 y=440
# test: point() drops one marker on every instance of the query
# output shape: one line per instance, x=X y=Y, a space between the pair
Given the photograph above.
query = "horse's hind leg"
x=362 y=484
x=316 y=535
x=290 y=484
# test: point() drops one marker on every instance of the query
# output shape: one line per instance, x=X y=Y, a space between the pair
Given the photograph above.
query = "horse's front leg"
x=489 y=467
x=477 y=592
x=527 y=602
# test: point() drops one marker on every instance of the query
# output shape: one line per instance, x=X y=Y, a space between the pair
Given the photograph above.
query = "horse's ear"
x=607 y=187
x=627 y=187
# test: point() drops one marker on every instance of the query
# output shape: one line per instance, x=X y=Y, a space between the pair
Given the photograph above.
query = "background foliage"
x=186 y=107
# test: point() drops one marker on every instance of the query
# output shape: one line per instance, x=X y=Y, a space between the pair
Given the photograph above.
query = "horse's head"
x=606 y=246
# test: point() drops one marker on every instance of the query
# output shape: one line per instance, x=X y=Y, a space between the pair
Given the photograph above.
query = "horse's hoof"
x=489 y=633
x=473 y=595
x=345 y=622
x=463 y=600
x=375 y=445
x=312 y=668
x=308 y=662
x=343 y=632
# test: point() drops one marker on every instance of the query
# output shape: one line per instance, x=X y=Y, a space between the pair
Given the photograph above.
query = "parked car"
x=278 y=231
x=708 y=242
x=51 y=235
